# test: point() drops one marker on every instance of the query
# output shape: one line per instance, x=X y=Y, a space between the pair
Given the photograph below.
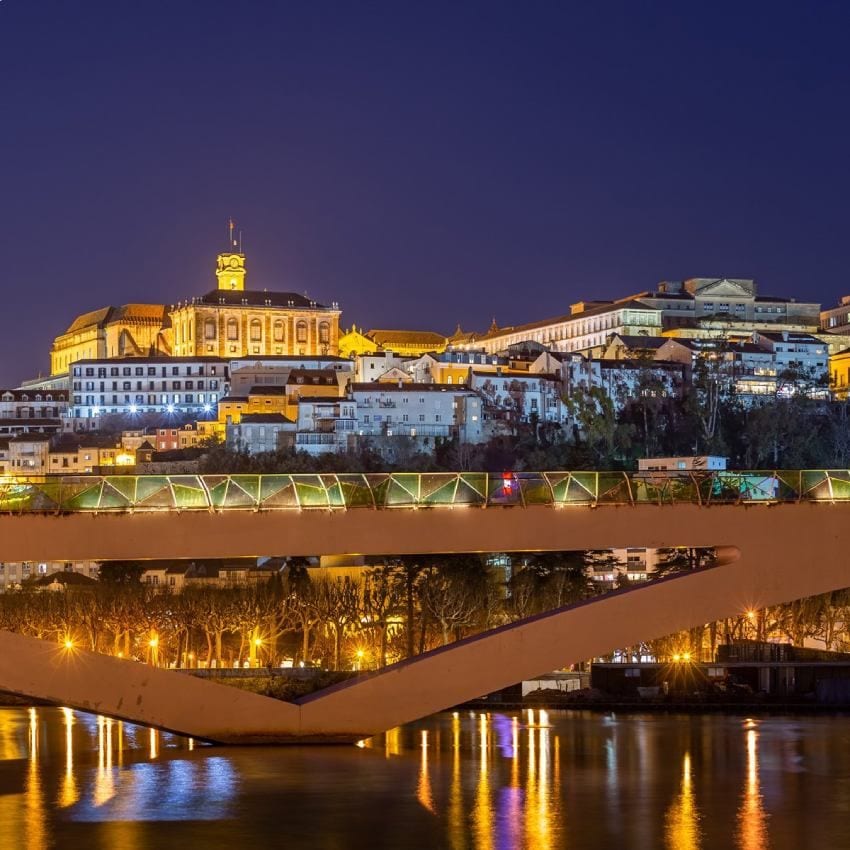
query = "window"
x=324 y=333
x=278 y=331
x=209 y=329
x=301 y=332
x=256 y=330
x=232 y=329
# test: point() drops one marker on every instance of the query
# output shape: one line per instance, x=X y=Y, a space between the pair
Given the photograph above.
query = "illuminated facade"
x=232 y=321
x=126 y=331
x=229 y=321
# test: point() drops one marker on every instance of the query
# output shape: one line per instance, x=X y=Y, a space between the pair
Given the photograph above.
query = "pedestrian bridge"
x=786 y=544
x=190 y=516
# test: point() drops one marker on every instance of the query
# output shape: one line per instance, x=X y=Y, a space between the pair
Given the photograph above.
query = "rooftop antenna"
x=240 y=241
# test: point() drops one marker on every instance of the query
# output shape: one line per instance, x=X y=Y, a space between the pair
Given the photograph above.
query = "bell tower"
x=231 y=271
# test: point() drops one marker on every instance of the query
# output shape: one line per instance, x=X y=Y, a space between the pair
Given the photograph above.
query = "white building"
x=587 y=328
x=325 y=424
x=520 y=396
x=246 y=373
x=257 y=433
x=157 y=384
x=417 y=410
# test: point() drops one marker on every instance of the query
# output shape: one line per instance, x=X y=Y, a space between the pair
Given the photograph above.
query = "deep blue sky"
x=422 y=164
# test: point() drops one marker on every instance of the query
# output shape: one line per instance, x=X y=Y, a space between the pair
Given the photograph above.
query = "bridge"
x=781 y=536
x=222 y=516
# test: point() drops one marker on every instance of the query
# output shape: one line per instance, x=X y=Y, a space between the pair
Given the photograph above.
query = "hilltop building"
x=230 y=321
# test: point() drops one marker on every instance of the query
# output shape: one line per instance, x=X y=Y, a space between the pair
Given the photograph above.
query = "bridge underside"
x=773 y=554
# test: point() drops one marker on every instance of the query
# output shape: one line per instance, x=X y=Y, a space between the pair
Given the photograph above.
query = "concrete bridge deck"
x=771 y=553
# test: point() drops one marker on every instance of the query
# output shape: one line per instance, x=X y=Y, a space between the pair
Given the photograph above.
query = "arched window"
x=209 y=329
x=256 y=330
x=278 y=331
x=301 y=332
x=232 y=329
x=324 y=333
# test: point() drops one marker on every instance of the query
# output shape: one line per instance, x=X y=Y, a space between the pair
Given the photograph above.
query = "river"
x=464 y=780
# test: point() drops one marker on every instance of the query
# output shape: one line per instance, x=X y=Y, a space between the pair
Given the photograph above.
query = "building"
x=518 y=396
x=14 y=573
x=697 y=463
x=137 y=385
x=587 y=327
x=404 y=343
x=421 y=411
x=325 y=425
x=232 y=321
x=716 y=306
x=452 y=366
x=837 y=319
x=274 y=371
x=23 y=410
x=132 y=330
x=256 y=433
x=839 y=374
x=229 y=321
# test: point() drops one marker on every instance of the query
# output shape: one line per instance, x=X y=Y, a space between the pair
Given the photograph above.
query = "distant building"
x=698 y=463
x=256 y=433
x=137 y=385
x=405 y=343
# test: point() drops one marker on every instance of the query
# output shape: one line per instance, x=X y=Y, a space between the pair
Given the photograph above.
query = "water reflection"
x=682 y=823
x=752 y=819
x=465 y=781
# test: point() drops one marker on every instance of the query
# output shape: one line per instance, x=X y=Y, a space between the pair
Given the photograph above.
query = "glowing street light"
x=69 y=644
x=153 y=643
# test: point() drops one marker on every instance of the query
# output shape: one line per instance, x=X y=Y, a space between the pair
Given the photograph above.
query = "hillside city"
x=241 y=380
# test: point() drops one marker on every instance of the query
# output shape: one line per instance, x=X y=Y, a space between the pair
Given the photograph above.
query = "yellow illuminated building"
x=228 y=321
x=405 y=343
x=232 y=321
x=133 y=330
x=839 y=373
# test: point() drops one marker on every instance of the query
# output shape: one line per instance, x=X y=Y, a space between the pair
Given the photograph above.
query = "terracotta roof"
x=377 y=389
x=389 y=338
x=124 y=313
x=265 y=419
x=95 y=318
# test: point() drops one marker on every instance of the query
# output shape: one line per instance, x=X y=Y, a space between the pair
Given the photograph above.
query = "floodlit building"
x=136 y=385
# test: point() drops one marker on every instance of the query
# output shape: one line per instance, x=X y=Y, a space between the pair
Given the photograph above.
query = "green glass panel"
x=151 y=487
x=840 y=485
x=188 y=492
x=112 y=499
x=444 y=494
x=403 y=489
x=250 y=484
x=355 y=491
x=477 y=481
x=535 y=488
x=333 y=490
x=217 y=488
x=467 y=494
x=85 y=500
x=236 y=496
x=158 y=498
x=311 y=491
x=271 y=485
x=789 y=485
x=432 y=483
x=560 y=484
x=125 y=485
x=582 y=487
x=814 y=484
x=380 y=485
x=613 y=488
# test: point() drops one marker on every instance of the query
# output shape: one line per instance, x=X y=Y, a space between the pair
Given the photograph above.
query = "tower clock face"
x=234 y=263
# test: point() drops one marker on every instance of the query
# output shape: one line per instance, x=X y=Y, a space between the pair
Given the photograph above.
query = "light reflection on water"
x=471 y=781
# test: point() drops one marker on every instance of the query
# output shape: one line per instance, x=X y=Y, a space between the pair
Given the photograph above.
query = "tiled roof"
x=258 y=298
x=388 y=338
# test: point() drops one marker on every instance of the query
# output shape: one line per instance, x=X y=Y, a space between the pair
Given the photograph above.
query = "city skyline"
x=438 y=163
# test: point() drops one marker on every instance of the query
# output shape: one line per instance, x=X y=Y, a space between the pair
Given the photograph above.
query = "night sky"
x=420 y=163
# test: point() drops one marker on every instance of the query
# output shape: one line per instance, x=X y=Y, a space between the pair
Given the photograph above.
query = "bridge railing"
x=122 y=493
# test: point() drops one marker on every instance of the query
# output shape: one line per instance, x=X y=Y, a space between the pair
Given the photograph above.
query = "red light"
x=507 y=481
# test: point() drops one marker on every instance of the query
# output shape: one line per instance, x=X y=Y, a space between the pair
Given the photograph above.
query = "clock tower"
x=231 y=271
